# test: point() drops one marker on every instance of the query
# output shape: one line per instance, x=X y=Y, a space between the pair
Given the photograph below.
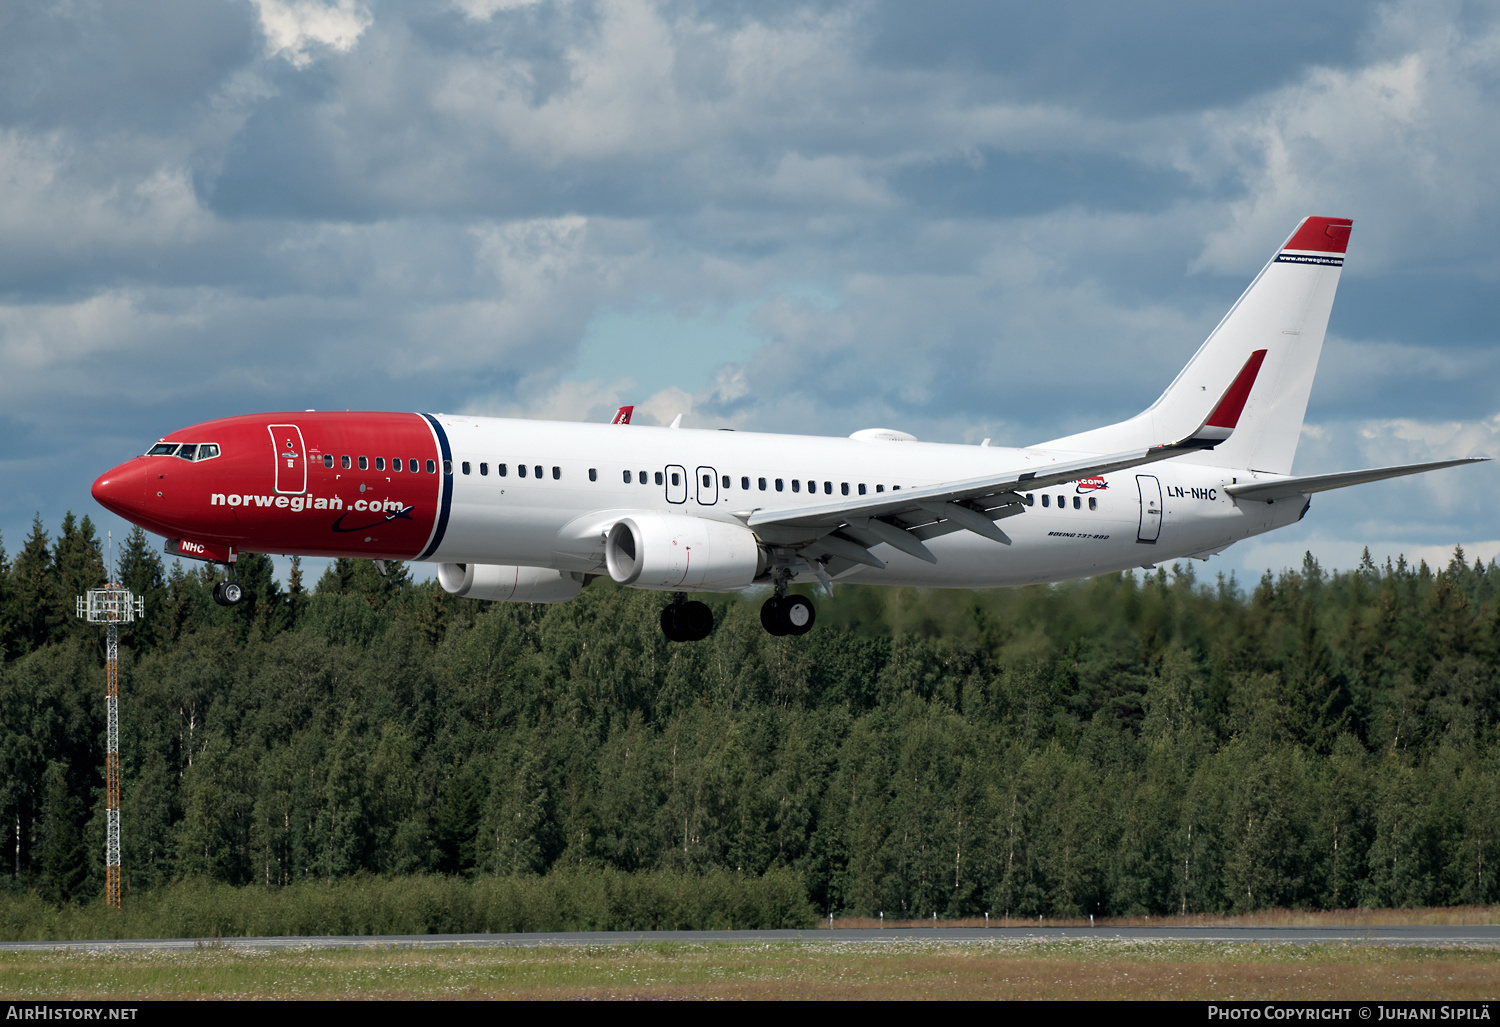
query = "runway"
x=1481 y=936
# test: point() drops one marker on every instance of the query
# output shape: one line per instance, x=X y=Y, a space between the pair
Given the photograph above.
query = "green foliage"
x=1128 y=744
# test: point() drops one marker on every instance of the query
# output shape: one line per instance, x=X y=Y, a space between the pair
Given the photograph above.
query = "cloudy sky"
x=960 y=219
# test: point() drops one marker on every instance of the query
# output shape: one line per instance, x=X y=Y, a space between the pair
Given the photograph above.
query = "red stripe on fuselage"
x=233 y=499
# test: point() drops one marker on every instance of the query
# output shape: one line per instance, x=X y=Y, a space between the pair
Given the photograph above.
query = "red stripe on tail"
x=1227 y=413
x=1321 y=235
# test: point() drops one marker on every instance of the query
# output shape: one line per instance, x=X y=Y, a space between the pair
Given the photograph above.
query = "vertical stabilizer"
x=1285 y=313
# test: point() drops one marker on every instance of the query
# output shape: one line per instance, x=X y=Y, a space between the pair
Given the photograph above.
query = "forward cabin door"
x=708 y=486
x=291 y=459
x=1150 y=488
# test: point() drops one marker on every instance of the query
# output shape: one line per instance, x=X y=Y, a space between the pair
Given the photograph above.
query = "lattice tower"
x=111 y=606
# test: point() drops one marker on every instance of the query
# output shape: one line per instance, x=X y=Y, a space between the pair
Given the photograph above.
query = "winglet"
x=622 y=415
x=1220 y=424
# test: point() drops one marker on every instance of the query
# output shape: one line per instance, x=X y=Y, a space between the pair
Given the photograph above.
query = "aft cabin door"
x=1150 y=529
x=291 y=459
x=708 y=486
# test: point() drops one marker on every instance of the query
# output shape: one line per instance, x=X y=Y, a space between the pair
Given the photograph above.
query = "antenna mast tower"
x=111 y=606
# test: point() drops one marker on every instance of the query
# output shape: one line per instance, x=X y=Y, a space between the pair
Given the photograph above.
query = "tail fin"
x=1285 y=313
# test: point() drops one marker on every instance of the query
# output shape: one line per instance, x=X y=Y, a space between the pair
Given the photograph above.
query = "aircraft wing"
x=904 y=519
x=1289 y=488
x=842 y=533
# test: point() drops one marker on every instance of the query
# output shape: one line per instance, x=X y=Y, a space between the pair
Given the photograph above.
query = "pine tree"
x=139 y=569
x=35 y=592
x=64 y=860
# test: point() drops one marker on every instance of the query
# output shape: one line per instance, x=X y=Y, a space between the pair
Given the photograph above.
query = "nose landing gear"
x=686 y=621
x=228 y=592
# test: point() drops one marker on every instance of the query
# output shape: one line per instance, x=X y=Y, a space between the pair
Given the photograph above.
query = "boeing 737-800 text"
x=531 y=511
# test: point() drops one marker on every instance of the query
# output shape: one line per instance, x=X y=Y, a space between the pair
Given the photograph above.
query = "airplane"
x=532 y=511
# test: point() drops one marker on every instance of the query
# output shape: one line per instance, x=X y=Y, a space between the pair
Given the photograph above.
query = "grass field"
x=848 y=970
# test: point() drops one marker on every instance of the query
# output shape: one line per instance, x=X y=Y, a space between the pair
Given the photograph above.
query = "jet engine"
x=672 y=552
x=506 y=584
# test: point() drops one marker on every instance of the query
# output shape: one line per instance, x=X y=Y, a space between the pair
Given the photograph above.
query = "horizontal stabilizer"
x=1288 y=488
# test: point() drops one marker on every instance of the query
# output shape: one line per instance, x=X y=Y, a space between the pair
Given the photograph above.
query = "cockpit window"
x=188 y=452
x=162 y=449
x=185 y=450
x=208 y=450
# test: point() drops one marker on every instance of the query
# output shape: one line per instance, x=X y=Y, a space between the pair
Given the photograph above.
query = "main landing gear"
x=228 y=592
x=686 y=620
x=787 y=615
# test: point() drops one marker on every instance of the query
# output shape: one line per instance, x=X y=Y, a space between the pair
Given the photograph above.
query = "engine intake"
x=672 y=552
x=506 y=584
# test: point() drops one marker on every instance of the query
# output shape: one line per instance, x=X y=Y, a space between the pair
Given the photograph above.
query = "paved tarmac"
x=1485 y=936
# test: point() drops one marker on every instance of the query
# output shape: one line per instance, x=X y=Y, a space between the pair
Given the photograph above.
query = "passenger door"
x=1150 y=489
x=677 y=486
x=291 y=459
x=708 y=486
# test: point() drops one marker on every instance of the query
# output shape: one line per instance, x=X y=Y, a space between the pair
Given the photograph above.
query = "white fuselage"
x=1161 y=511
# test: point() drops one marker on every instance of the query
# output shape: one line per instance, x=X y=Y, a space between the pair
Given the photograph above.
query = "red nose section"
x=123 y=490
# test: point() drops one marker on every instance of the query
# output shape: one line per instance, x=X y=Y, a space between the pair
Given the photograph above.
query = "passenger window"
x=844 y=488
x=643 y=478
x=484 y=468
x=520 y=470
x=464 y=466
x=448 y=467
x=658 y=477
x=708 y=481
x=208 y=451
x=828 y=488
x=745 y=483
x=1046 y=500
x=895 y=488
x=762 y=483
x=501 y=470
x=861 y=488
x=726 y=481
x=1077 y=503
x=556 y=473
x=796 y=484
x=1093 y=502
x=879 y=488
x=627 y=477
x=1062 y=502
x=364 y=463
x=396 y=465
x=593 y=474
x=778 y=484
x=675 y=477
x=538 y=470
x=188 y=452
x=344 y=462
x=1030 y=499
x=327 y=459
x=380 y=463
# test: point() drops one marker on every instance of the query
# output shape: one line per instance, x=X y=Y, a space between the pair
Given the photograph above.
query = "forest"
x=1146 y=743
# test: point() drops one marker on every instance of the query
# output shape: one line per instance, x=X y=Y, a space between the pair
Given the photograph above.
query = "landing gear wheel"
x=687 y=622
x=787 y=615
x=228 y=593
x=798 y=615
x=770 y=616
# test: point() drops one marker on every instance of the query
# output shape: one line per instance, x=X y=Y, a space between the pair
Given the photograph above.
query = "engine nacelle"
x=674 y=552
x=506 y=584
